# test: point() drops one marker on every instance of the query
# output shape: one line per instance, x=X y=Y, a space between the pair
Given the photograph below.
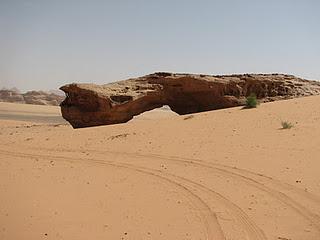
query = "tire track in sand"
x=207 y=216
x=308 y=214
x=252 y=231
x=226 y=171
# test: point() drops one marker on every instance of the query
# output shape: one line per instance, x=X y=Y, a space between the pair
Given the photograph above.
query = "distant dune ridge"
x=31 y=97
x=92 y=105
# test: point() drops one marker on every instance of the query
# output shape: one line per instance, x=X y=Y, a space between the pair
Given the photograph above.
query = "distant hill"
x=53 y=97
x=57 y=92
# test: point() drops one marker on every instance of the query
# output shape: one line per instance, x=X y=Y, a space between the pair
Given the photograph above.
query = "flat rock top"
x=137 y=86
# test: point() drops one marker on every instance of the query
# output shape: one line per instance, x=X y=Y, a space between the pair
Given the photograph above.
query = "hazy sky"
x=47 y=43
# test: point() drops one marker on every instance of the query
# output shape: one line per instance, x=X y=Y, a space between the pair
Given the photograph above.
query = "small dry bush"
x=286 y=125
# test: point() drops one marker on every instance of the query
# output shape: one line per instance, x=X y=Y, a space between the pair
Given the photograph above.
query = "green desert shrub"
x=286 y=125
x=251 y=101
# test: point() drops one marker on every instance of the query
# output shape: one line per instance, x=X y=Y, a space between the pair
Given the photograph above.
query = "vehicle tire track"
x=226 y=171
x=208 y=217
x=253 y=232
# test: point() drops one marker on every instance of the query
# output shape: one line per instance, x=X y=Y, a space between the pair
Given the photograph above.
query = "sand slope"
x=226 y=174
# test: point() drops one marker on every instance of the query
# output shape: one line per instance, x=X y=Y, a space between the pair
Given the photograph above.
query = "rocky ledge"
x=89 y=105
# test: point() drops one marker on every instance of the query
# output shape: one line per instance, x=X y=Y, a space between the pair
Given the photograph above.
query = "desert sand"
x=224 y=174
x=30 y=113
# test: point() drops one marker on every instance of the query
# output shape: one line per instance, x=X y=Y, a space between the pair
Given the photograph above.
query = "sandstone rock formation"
x=42 y=98
x=31 y=97
x=11 y=95
x=92 y=105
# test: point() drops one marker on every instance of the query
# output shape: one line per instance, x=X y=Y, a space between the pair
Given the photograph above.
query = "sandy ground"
x=31 y=113
x=226 y=174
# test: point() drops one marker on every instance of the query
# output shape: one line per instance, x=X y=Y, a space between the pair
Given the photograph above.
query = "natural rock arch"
x=89 y=105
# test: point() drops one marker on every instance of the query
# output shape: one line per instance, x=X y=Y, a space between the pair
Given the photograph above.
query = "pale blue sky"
x=45 y=44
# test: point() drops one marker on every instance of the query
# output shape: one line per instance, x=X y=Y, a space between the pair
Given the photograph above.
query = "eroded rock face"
x=42 y=98
x=89 y=105
x=11 y=95
x=31 y=97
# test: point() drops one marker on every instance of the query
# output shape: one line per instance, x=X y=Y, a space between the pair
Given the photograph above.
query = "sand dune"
x=226 y=174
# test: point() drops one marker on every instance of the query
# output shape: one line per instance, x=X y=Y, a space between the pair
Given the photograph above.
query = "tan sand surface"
x=226 y=174
x=31 y=113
